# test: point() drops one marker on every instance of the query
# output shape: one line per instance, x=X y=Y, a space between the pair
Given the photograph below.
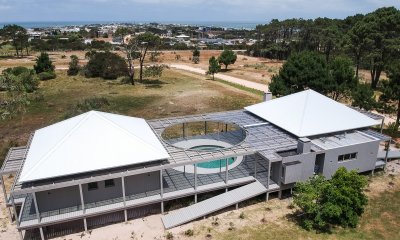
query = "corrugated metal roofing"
x=88 y=142
x=309 y=113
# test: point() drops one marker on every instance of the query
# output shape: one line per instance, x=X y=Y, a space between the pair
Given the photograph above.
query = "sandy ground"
x=249 y=84
x=151 y=227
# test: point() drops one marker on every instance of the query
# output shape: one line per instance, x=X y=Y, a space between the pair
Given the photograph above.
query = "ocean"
x=235 y=25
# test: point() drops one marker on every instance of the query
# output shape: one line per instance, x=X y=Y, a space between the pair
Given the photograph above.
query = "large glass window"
x=92 y=186
x=109 y=183
x=347 y=157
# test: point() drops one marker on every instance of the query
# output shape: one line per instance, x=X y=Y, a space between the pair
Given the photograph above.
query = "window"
x=347 y=157
x=92 y=186
x=109 y=183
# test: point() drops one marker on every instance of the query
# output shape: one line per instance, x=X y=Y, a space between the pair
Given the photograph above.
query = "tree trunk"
x=398 y=113
x=213 y=77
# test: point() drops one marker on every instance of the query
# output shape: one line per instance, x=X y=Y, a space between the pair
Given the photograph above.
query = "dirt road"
x=249 y=84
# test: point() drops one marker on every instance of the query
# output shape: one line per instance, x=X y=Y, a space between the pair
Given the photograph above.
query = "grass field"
x=175 y=94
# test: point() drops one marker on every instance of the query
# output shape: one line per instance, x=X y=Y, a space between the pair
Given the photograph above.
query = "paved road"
x=246 y=83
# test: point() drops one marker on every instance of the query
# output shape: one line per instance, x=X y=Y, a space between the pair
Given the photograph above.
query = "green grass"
x=379 y=221
x=241 y=87
x=174 y=94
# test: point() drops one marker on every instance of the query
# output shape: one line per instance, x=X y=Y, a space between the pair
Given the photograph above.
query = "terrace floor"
x=176 y=184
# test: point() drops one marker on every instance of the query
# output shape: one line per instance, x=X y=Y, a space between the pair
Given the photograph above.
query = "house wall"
x=58 y=198
x=298 y=172
x=142 y=183
x=102 y=193
x=366 y=158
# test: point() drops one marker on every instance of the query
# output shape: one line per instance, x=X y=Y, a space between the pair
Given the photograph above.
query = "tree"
x=144 y=42
x=15 y=99
x=363 y=97
x=336 y=202
x=213 y=66
x=43 y=63
x=343 y=78
x=107 y=65
x=390 y=98
x=74 y=67
x=227 y=57
x=301 y=71
x=384 y=35
x=17 y=35
x=196 y=56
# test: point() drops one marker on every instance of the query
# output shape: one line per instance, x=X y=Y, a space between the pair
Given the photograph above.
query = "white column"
x=267 y=196
x=124 y=198
x=227 y=171
x=195 y=183
x=85 y=224
x=82 y=200
x=269 y=173
x=41 y=233
x=5 y=196
x=255 y=167
x=36 y=207
x=161 y=191
x=382 y=124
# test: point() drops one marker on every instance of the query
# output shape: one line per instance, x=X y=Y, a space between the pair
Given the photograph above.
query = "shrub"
x=189 y=233
x=106 y=65
x=169 y=235
x=27 y=77
x=74 y=67
x=43 y=63
x=241 y=216
x=95 y=103
x=44 y=76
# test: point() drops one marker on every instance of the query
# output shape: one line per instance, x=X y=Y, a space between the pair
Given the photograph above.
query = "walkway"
x=246 y=83
x=213 y=204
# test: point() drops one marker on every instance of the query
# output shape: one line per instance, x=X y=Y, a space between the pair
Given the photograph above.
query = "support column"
x=41 y=233
x=36 y=207
x=267 y=196
x=269 y=173
x=183 y=130
x=82 y=200
x=255 y=167
x=227 y=171
x=195 y=183
x=161 y=191
x=237 y=206
x=5 y=196
x=387 y=152
x=382 y=124
x=280 y=194
x=20 y=235
x=85 y=224
x=124 y=198
x=15 y=211
x=205 y=127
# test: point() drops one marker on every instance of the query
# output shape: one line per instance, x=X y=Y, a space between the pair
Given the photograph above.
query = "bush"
x=44 y=76
x=106 y=65
x=326 y=203
x=169 y=235
x=189 y=233
x=27 y=77
x=43 y=63
x=74 y=67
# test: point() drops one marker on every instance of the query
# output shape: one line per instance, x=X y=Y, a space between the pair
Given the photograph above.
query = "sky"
x=182 y=10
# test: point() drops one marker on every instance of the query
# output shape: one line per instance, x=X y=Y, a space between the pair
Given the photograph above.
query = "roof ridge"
x=304 y=110
x=49 y=153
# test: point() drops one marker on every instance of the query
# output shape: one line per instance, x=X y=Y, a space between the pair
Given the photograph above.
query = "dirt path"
x=257 y=86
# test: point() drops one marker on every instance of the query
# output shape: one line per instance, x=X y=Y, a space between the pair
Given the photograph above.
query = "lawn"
x=379 y=221
x=174 y=94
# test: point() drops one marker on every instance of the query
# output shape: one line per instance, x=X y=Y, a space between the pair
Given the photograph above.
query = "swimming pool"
x=221 y=163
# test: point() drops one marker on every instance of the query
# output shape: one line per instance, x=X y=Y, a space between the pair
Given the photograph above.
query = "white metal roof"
x=88 y=142
x=309 y=113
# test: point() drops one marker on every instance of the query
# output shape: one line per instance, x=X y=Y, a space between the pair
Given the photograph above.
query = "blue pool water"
x=221 y=163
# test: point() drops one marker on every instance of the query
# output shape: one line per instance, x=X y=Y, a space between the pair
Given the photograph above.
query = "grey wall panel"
x=142 y=183
x=366 y=158
x=58 y=198
x=102 y=193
